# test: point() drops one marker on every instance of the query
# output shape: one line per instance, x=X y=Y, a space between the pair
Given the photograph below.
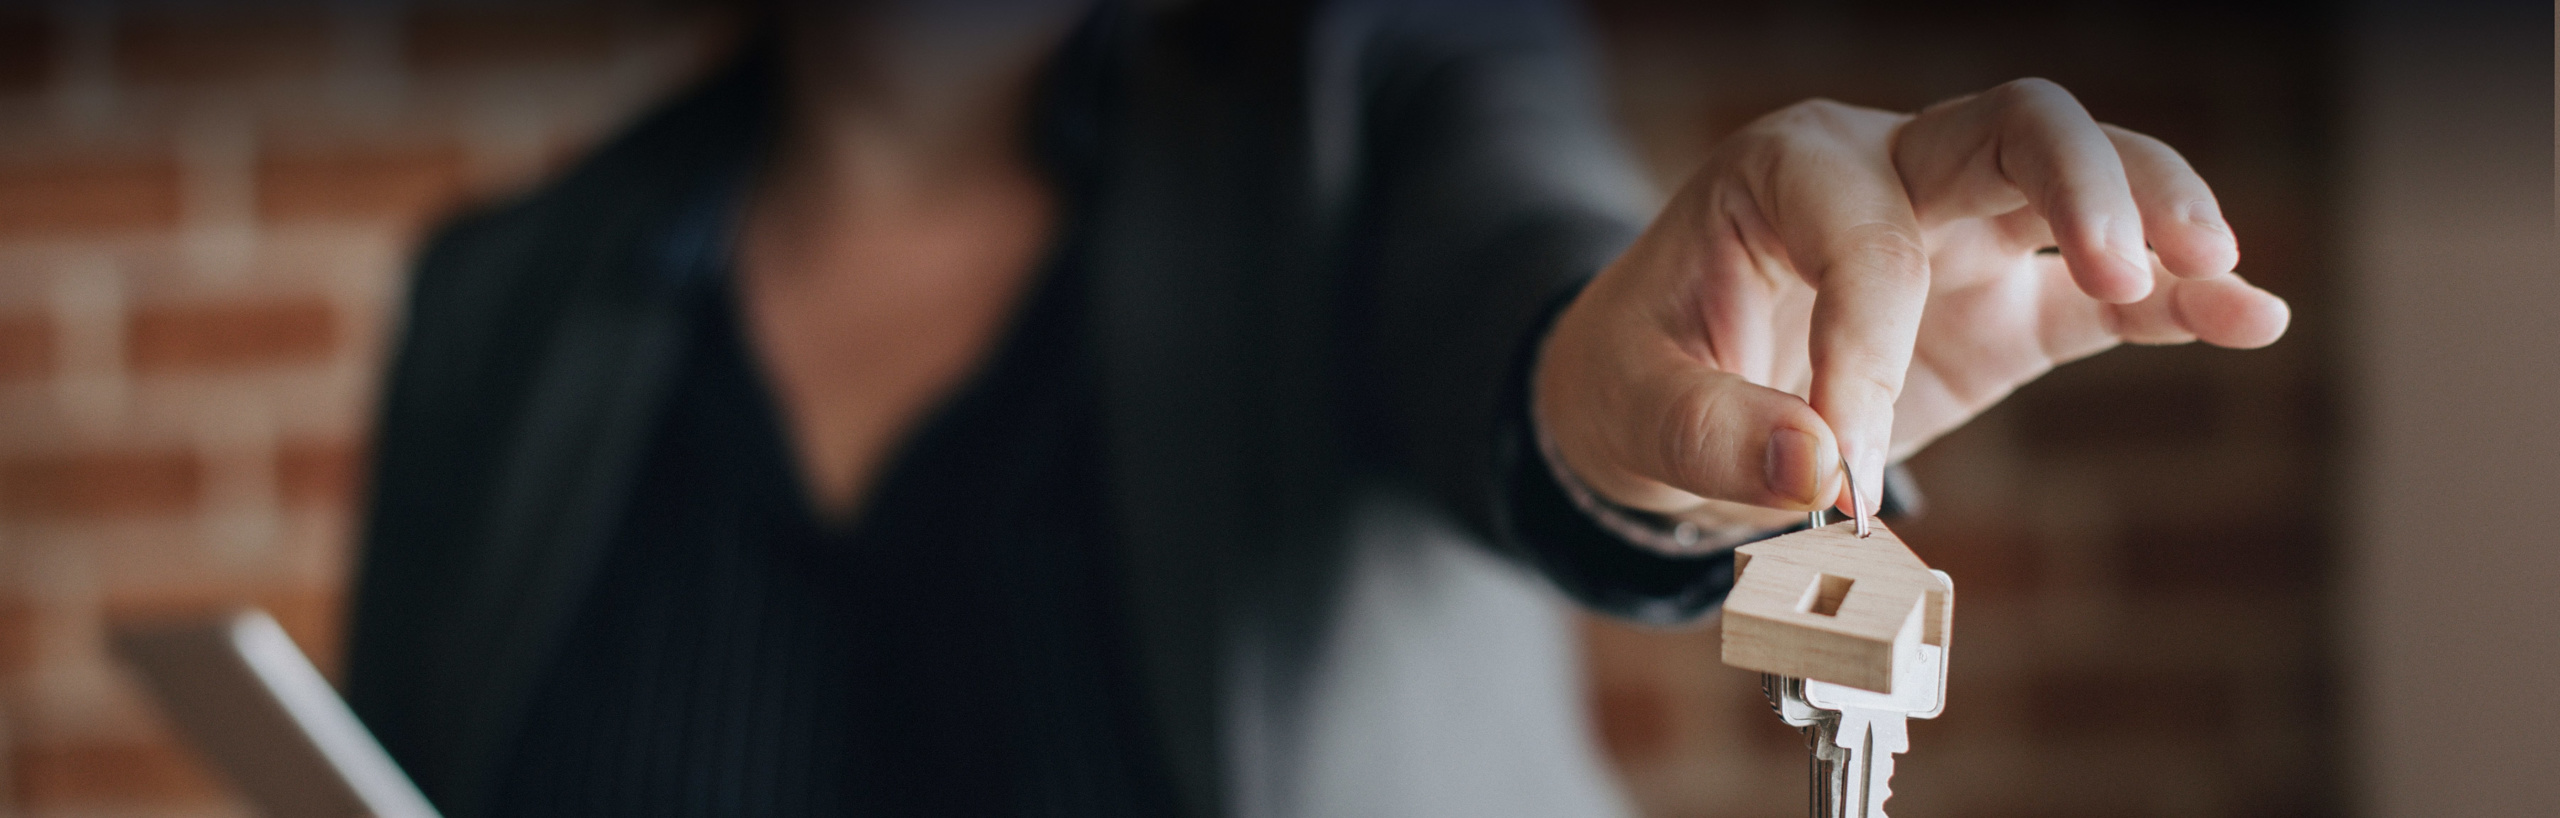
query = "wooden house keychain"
x=1848 y=629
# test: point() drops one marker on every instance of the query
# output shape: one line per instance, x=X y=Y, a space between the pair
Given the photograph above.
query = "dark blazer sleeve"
x=1494 y=188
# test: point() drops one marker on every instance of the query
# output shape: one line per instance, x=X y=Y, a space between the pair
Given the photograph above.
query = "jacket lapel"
x=652 y=230
x=582 y=443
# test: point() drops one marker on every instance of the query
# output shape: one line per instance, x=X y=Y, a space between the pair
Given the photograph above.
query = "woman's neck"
x=897 y=225
x=897 y=104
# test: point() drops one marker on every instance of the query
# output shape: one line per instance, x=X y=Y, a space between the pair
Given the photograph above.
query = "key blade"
x=1887 y=735
x=1855 y=744
x=1834 y=770
x=1827 y=767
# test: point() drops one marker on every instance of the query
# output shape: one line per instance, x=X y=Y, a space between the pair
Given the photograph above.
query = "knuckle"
x=1765 y=146
x=2150 y=151
x=2142 y=141
x=1817 y=115
x=2031 y=91
x=2111 y=320
x=1868 y=377
x=2142 y=147
x=1819 y=109
x=1885 y=251
x=1681 y=425
x=1875 y=381
x=1686 y=435
x=2032 y=99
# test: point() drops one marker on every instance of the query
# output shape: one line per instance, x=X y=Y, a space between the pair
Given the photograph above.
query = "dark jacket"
x=1322 y=243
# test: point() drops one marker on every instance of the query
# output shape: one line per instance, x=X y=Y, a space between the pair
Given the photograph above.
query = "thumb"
x=1663 y=439
x=1726 y=438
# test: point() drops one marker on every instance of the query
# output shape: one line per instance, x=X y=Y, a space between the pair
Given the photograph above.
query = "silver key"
x=1827 y=760
x=1854 y=734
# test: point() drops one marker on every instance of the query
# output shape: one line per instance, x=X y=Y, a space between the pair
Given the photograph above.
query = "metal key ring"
x=1857 y=504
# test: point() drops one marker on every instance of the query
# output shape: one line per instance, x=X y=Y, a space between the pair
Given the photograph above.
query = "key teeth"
x=1851 y=775
x=1880 y=764
x=1880 y=788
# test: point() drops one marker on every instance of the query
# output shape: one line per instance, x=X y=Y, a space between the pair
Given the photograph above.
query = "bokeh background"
x=2139 y=541
x=206 y=209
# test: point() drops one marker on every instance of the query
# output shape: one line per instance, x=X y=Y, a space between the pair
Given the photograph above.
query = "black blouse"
x=956 y=652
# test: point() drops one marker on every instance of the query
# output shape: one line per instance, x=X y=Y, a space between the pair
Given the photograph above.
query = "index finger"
x=2030 y=142
x=1834 y=200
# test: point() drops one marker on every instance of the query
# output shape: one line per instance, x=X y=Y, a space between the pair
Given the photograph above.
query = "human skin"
x=1832 y=280
x=1841 y=283
x=900 y=220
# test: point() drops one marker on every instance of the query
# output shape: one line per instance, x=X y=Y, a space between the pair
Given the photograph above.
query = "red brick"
x=89 y=194
x=17 y=636
x=2295 y=801
x=90 y=484
x=2277 y=250
x=162 y=338
x=1992 y=560
x=2277 y=550
x=117 y=772
x=26 y=51
x=309 y=613
x=26 y=346
x=441 y=39
x=314 y=615
x=2096 y=406
x=218 y=44
x=312 y=472
x=2117 y=703
x=409 y=185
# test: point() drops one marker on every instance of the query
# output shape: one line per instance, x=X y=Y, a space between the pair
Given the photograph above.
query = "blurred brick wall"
x=2139 y=541
x=205 y=211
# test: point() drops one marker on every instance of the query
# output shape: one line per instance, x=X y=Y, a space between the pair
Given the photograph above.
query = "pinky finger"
x=2227 y=312
x=2222 y=310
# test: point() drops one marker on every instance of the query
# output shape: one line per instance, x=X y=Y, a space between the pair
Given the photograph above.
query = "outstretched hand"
x=1847 y=282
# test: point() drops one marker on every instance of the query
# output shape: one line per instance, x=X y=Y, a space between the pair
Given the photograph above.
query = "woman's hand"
x=1848 y=281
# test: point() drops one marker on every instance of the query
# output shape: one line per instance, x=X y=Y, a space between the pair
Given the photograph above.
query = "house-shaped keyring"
x=1829 y=605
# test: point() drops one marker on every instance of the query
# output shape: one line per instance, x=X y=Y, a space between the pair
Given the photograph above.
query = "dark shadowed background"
x=205 y=212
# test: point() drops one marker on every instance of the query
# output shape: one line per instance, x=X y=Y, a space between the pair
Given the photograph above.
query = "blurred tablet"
x=252 y=704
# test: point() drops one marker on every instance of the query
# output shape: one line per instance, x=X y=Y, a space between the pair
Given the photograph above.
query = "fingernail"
x=2127 y=245
x=2204 y=214
x=1790 y=469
